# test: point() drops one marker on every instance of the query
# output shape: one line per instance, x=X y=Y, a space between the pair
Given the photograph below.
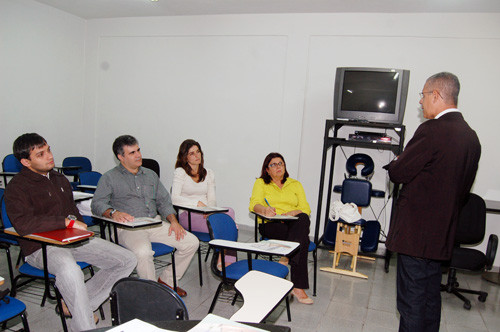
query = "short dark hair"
x=24 y=144
x=183 y=162
x=448 y=86
x=121 y=141
x=265 y=165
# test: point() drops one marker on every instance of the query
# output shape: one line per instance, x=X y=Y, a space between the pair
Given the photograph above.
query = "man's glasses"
x=421 y=94
x=273 y=165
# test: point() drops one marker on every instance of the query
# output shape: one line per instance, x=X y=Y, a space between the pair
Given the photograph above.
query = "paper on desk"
x=272 y=245
x=137 y=325
x=214 y=323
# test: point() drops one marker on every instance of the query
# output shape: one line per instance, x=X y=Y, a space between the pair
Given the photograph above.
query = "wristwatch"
x=111 y=213
x=72 y=219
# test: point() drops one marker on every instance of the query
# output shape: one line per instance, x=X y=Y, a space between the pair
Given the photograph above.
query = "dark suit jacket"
x=437 y=169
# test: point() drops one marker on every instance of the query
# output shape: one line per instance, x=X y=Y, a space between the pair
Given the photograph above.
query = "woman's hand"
x=293 y=213
x=269 y=211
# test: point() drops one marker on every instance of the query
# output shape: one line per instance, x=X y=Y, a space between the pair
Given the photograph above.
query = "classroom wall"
x=42 y=77
x=242 y=85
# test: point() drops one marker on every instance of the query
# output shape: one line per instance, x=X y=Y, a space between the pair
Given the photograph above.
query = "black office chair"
x=146 y=300
x=470 y=230
x=151 y=164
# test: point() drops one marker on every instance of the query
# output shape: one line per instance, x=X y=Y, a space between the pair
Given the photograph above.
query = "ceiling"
x=91 y=9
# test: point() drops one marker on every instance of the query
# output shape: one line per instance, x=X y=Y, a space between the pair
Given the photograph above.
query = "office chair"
x=470 y=230
x=221 y=226
x=11 y=308
x=151 y=164
x=146 y=300
x=348 y=234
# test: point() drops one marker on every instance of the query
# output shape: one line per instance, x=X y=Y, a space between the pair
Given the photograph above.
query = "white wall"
x=243 y=85
x=41 y=76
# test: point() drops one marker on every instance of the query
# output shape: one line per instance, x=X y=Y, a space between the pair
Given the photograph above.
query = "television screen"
x=371 y=94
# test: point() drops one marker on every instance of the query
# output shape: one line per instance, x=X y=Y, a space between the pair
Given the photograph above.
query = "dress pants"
x=83 y=298
x=296 y=231
x=418 y=294
x=139 y=242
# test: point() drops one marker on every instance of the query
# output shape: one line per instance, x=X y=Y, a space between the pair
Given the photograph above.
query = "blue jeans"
x=82 y=299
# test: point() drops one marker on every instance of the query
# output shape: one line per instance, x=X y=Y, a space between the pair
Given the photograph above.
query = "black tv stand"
x=332 y=142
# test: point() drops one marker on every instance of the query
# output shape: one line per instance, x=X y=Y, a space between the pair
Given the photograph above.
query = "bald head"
x=447 y=85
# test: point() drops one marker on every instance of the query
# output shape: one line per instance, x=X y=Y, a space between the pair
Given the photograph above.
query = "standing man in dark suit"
x=437 y=169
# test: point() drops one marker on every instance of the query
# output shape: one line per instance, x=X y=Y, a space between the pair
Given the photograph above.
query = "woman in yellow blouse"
x=275 y=193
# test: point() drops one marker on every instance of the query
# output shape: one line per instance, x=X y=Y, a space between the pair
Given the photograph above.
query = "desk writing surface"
x=492 y=205
x=268 y=247
x=138 y=222
x=86 y=186
x=61 y=239
x=81 y=196
x=278 y=217
x=201 y=209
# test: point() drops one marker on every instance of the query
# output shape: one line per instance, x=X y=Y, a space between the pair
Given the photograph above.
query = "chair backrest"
x=222 y=227
x=471 y=226
x=261 y=293
x=11 y=164
x=5 y=218
x=151 y=164
x=356 y=191
x=83 y=162
x=89 y=178
x=146 y=300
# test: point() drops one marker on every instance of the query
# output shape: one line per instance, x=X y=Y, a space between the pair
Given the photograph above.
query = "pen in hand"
x=273 y=210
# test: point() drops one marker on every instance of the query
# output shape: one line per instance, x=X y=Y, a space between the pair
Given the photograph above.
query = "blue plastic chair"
x=7 y=240
x=83 y=162
x=161 y=249
x=11 y=308
x=90 y=178
x=221 y=226
x=12 y=165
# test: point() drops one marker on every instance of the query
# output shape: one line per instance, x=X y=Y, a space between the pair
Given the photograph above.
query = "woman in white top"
x=193 y=185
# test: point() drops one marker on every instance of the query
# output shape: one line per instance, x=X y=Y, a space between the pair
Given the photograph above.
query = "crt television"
x=370 y=94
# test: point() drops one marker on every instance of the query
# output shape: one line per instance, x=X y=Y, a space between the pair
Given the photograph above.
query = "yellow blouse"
x=290 y=197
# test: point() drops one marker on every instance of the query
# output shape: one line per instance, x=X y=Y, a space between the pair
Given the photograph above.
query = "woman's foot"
x=301 y=296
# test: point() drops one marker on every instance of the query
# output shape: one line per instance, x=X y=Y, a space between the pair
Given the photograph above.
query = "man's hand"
x=175 y=227
x=78 y=224
x=122 y=217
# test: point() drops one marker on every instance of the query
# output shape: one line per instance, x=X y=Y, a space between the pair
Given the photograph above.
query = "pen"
x=267 y=202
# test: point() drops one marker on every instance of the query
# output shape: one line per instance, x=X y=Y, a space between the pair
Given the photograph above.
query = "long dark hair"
x=265 y=165
x=183 y=162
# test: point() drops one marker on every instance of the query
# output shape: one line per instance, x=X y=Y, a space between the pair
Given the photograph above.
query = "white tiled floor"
x=342 y=304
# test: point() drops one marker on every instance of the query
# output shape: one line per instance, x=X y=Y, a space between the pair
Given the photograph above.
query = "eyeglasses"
x=421 y=94
x=273 y=165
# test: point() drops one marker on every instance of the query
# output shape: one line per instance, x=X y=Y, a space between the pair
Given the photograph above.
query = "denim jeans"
x=82 y=299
